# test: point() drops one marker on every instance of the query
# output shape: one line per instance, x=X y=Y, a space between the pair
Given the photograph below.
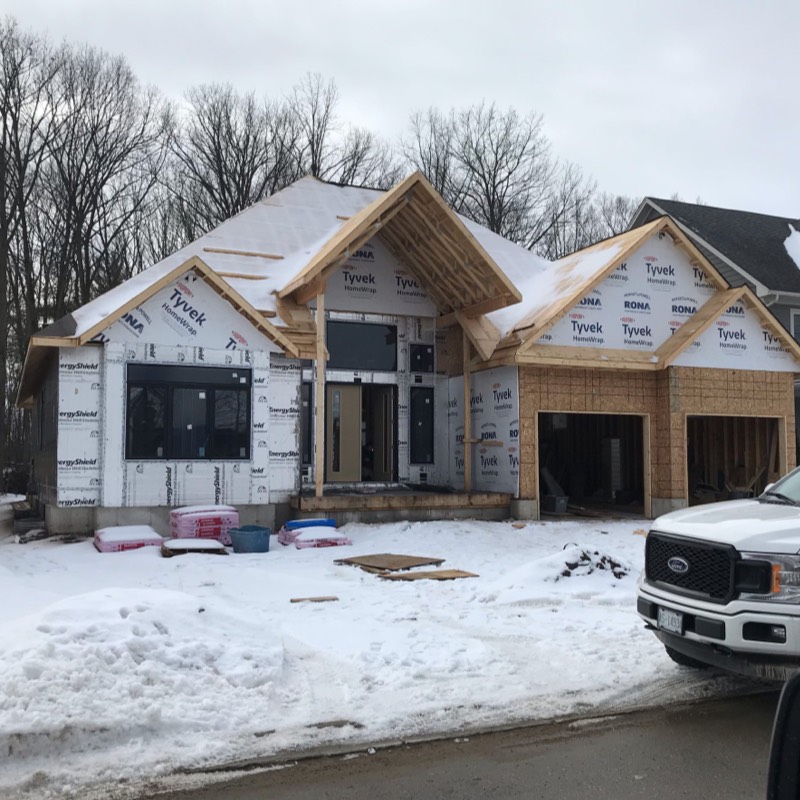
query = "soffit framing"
x=428 y=238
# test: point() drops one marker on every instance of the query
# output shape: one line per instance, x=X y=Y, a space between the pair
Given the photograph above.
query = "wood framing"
x=319 y=401
x=572 y=287
x=436 y=246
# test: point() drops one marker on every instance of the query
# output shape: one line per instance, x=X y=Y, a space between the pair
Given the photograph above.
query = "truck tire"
x=684 y=660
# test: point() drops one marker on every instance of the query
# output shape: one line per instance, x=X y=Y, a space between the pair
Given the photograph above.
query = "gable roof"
x=751 y=246
x=265 y=255
x=452 y=266
x=64 y=334
x=551 y=293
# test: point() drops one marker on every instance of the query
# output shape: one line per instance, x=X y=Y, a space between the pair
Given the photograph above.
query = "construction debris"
x=433 y=575
x=389 y=562
x=321 y=599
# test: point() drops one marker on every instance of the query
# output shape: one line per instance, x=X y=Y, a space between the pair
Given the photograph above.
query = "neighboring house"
x=758 y=250
x=450 y=361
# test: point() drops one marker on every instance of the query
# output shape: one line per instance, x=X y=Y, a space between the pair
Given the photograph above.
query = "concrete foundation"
x=525 y=509
x=663 y=505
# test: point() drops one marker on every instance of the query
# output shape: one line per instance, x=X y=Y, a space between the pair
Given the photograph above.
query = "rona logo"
x=591 y=302
x=136 y=325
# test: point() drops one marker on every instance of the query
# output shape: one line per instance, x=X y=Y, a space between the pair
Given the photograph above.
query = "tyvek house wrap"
x=187 y=323
x=494 y=413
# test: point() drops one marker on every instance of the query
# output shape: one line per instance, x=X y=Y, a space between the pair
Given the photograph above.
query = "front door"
x=360 y=433
x=343 y=433
x=379 y=418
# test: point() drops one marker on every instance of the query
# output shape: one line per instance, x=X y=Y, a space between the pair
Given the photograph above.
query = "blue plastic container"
x=250 y=539
x=293 y=524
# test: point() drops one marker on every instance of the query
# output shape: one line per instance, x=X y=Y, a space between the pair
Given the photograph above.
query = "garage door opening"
x=595 y=460
x=730 y=457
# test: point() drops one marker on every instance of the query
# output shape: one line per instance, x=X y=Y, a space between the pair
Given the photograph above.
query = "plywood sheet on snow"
x=389 y=562
x=432 y=575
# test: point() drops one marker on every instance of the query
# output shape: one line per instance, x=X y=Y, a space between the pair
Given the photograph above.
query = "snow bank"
x=129 y=666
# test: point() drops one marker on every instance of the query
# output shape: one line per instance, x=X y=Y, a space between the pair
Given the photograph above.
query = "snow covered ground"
x=124 y=667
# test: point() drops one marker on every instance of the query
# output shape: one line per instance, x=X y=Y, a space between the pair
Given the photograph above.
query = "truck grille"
x=711 y=567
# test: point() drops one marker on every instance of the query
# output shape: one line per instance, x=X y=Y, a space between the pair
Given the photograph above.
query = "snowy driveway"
x=130 y=665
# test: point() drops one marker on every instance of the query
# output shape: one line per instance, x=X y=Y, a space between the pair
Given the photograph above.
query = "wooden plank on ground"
x=389 y=562
x=328 y=598
x=433 y=575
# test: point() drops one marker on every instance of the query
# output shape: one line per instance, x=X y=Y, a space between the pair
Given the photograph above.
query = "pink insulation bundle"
x=125 y=537
x=203 y=522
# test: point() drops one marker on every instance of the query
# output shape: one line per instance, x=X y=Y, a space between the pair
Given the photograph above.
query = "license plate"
x=671 y=621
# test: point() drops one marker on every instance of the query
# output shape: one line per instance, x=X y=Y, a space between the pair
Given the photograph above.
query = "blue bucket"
x=250 y=539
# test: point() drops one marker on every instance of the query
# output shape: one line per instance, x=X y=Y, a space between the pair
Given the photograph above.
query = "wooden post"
x=465 y=347
x=648 y=474
x=319 y=404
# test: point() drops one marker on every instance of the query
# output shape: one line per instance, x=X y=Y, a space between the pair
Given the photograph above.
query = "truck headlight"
x=773 y=577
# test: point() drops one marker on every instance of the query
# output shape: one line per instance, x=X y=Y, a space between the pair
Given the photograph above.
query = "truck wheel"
x=684 y=660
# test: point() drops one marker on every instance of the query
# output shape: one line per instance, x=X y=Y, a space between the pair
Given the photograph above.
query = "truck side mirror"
x=784 y=756
x=768 y=487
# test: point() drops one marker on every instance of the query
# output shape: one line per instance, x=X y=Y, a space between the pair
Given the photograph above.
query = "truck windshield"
x=786 y=490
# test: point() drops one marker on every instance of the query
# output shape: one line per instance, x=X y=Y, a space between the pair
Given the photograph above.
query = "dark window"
x=421 y=408
x=421 y=358
x=187 y=412
x=305 y=423
x=146 y=418
x=359 y=345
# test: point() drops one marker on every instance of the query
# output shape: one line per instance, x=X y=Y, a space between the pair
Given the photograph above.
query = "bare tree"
x=27 y=124
x=232 y=151
x=431 y=149
x=327 y=150
x=104 y=163
x=496 y=168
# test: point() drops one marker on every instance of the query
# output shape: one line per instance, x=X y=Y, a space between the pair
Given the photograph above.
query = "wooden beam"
x=244 y=276
x=696 y=325
x=305 y=293
x=294 y=315
x=477 y=310
x=467 y=414
x=483 y=335
x=247 y=253
x=342 y=248
x=648 y=469
x=319 y=401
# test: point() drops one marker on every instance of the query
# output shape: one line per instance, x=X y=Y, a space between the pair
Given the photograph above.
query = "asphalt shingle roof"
x=754 y=242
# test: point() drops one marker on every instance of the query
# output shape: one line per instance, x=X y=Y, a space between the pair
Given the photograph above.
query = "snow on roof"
x=293 y=223
x=548 y=281
x=792 y=245
x=296 y=222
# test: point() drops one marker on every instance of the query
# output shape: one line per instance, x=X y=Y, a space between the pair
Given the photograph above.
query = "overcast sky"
x=698 y=97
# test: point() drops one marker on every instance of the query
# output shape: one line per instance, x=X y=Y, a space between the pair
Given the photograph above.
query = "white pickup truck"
x=721 y=583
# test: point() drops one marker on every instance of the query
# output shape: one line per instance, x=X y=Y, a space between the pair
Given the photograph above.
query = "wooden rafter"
x=483 y=335
x=246 y=253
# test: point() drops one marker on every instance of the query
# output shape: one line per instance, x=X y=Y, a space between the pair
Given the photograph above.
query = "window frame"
x=429 y=392
x=354 y=361
x=172 y=378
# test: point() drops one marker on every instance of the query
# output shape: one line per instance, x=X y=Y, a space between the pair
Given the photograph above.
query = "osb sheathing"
x=667 y=396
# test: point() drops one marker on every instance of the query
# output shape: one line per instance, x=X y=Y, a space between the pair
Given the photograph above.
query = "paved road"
x=717 y=749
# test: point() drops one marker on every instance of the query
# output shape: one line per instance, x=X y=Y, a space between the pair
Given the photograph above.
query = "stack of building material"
x=203 y=522
x=291 y=529
x=125 y=537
